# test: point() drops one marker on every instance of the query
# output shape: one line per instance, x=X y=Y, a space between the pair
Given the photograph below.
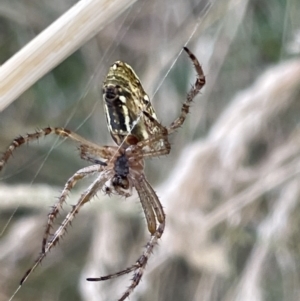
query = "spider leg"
x=148 y=211
x=157 y=145
x=84 y=198
x=141 y=263
x=138 y=267
x=200 y=82
x=80 y=174
x=146 y=191
x=92 y=153
x=62 y=132
x=158 y=141
x=147 y=196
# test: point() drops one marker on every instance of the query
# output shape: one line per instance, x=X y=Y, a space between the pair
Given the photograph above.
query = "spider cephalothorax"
x=120 y=178
x=134 y=126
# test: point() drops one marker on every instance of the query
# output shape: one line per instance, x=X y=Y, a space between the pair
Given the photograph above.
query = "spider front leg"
x=157 y=145
x=62 y=132
x=85 y=197
x=200 y=82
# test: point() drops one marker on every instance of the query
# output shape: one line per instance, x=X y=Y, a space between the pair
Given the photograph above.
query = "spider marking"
x=134 y=126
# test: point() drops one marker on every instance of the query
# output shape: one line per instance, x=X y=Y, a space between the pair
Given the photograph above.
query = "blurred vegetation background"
x=230 y=186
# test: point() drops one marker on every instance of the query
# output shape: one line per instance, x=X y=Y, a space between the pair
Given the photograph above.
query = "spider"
x=134 y=127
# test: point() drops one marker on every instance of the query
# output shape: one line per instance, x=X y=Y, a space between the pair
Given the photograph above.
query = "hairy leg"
x=150 y=203
x=85 y=197
x=80 y=174
x=62 y=132
x=195 y=89
x=138 y=267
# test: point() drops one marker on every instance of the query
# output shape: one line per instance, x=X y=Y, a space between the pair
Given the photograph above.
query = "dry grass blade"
x=54 y=44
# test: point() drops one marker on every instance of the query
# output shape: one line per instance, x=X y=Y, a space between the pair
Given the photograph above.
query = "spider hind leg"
x=139 y=265
x=56 y=208
x=85 y=197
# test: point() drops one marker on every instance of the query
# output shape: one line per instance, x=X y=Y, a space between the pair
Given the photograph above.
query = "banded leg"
x=92 y=154
x=161 y=147
x=159 y=142
x=148 y=198
x=79 y=175
x=142 y=262
x=85 y=197
x=62 y=132
x=200 y=82
x=138 y=267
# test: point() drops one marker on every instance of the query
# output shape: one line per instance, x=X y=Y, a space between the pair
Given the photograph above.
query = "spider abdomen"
x=125 y=102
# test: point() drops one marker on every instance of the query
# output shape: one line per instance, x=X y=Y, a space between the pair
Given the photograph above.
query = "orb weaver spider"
x=134 y=127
